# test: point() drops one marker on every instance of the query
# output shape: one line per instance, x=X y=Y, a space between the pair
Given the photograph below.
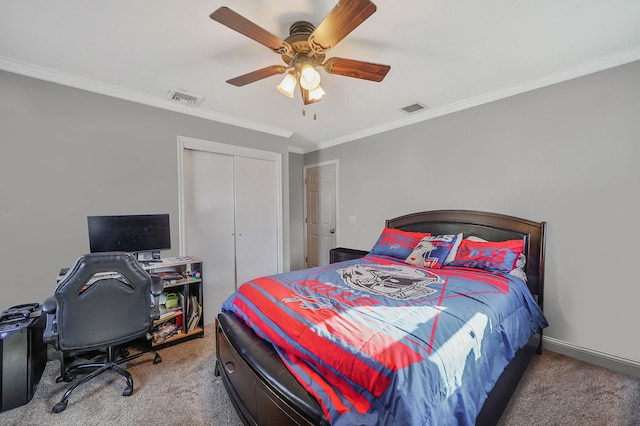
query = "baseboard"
x=601 y=359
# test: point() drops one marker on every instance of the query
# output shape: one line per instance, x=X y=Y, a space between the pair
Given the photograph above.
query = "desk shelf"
x=189 y=322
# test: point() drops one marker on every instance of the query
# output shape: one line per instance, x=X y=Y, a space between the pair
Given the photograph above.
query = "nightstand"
x=340 y=254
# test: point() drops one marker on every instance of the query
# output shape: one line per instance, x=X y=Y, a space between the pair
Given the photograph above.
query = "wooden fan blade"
x=343 y=18
x=356 y=69
x=257 y=75
x=239 y=23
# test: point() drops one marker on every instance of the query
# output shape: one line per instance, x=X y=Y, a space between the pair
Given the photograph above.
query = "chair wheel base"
x=65 y=378
x=157 y=359
x=128 y=391
x=59 y=407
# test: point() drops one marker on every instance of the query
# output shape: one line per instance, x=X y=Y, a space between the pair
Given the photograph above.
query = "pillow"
x=397 y=243
x=454 y=250
x=432 y=251
x=492 y=256
x=518 y=270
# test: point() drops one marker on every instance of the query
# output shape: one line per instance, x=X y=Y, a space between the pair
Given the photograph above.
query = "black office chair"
x=103 y=303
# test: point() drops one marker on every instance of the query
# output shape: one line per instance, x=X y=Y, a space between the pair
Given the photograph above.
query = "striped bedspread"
x=378 y=341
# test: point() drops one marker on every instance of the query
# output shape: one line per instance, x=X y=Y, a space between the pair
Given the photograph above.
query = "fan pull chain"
x=304 y=113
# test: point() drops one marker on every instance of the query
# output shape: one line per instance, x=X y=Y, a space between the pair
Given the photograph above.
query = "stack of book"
x=194 y=313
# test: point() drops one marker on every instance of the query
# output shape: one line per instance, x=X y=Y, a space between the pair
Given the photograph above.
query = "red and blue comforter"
x=378 y=341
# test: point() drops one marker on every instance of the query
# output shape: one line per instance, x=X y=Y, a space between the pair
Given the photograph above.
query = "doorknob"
x=333 y=231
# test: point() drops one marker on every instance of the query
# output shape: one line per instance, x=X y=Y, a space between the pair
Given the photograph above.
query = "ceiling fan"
x=306 y=48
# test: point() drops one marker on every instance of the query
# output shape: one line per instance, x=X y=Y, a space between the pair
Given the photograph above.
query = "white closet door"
x=209 y=223
x=231 y=215
x=256 y=218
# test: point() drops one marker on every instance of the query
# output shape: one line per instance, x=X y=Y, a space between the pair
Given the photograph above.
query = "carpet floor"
x=556 y=390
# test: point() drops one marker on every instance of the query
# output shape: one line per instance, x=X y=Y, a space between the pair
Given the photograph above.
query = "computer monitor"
x=145 y=235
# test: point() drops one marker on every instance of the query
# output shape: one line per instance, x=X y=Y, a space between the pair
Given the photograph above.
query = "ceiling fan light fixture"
x=305 y=49
x=316 y=94
x=309 y=77
x=287 y=85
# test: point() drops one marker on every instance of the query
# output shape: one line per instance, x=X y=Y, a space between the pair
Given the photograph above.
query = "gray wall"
x=566 y=154
x=68 y=153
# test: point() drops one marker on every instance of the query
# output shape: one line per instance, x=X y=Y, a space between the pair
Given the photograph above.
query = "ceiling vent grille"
x=185 y=98
x=413 y=108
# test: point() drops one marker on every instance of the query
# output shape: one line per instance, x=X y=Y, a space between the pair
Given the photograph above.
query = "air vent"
x=185 y=98
x=413 y=108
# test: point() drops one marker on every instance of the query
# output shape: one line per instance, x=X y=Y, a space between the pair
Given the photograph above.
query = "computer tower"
x=23 y=355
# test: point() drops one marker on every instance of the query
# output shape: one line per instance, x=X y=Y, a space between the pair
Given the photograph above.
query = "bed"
x=436 y=325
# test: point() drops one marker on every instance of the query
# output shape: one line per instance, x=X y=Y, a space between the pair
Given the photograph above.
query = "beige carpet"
x=182 y=390
x=558 y=390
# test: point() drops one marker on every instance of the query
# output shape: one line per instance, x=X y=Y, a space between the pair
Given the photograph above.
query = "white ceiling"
x=445 y=54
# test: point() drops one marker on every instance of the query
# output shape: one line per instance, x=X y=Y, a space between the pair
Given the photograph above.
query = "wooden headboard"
x=490 y=226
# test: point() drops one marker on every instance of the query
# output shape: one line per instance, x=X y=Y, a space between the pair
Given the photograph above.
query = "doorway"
x=321 y=207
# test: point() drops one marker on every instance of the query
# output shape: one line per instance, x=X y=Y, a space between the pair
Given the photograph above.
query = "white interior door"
x=209 y=223
x=256 y=218
x=321 y=213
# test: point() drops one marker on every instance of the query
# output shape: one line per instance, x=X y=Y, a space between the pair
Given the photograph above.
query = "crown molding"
x=614 y=60
x=46 y=74
x=41 y=73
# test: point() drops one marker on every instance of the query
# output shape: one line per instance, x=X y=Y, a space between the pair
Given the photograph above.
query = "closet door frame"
x=185 y=142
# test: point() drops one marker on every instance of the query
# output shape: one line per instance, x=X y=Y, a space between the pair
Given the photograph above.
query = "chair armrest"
x=156 y=290
x=156 y=285
x=50 y=306
x=50 y=333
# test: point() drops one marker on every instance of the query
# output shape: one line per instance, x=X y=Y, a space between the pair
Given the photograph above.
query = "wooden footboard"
x=261 y=388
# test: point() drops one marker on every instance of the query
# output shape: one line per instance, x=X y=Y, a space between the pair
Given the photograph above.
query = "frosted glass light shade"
x=309 y=77
x=287 y=85
x=316 y=94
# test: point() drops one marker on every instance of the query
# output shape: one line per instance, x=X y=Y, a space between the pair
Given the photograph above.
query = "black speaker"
x=23 y=354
